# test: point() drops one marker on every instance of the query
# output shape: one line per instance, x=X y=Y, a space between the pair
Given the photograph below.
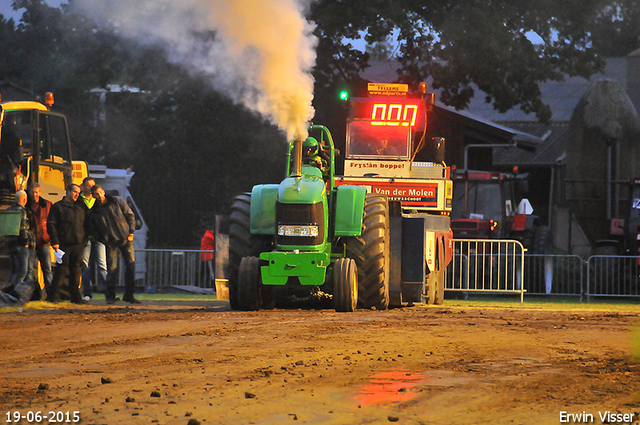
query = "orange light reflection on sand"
x=385 y=387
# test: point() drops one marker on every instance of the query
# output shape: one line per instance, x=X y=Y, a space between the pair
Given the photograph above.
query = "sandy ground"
x=186 y=364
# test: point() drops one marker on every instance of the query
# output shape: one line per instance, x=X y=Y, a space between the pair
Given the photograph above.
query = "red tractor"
x=490 y=206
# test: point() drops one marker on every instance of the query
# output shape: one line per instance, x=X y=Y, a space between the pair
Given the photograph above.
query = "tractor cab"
x=490 y=205
x=316 y=157
x=365 y=141
x=385 y=132
x=633 y=220
x=624 y=233
x=34 y=146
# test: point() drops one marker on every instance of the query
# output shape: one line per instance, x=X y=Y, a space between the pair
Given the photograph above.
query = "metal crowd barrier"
x=486 y=265
x=547 y=274
x=478 y=266
x=483 y=266
x=612 y=276
x=160 y=268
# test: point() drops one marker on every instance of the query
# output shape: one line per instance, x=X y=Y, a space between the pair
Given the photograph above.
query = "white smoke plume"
x=261 y=55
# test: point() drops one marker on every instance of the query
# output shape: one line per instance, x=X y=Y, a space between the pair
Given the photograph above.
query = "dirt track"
x=420 y=365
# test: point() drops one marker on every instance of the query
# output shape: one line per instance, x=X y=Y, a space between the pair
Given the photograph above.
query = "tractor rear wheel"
x=345 y=285
x=371 y=254
x=249 y=286
x=241 y=242
x=542 y=241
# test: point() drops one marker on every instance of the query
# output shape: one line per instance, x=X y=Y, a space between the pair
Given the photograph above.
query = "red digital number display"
x=394 y=114
x=390 y=112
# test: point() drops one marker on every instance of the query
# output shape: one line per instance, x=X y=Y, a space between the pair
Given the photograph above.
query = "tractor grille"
x=300 y=214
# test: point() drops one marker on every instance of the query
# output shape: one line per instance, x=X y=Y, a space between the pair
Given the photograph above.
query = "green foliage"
x=193 y=149
x=460 y=44
x=381 y=51
x=615 y=31
x=196 y=150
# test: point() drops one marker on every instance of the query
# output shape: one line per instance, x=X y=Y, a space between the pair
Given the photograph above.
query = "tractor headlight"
x=294 y=230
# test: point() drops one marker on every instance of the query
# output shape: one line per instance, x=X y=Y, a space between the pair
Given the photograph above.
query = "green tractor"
x=306 y=236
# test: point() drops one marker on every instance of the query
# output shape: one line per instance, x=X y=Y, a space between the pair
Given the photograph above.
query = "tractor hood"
x=472 y=228
x=302 y=190
x=305 y=190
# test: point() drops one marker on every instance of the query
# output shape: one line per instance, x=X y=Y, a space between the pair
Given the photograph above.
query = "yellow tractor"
x=34 y=147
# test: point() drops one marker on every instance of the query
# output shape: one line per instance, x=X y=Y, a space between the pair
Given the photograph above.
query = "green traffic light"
x=344 y=95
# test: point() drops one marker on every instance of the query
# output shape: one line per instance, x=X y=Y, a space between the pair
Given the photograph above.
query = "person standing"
x=206 y=258
x=94 y=256
x=113 y=223
x=39 y=209
x=22 y=245
x=66 y=227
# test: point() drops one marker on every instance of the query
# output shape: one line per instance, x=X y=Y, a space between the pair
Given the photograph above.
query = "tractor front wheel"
x=371 y=253
x=345 y=285
x=242 y=243
x=249 y=284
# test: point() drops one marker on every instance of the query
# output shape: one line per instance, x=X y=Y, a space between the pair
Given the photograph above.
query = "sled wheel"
x=439 y=278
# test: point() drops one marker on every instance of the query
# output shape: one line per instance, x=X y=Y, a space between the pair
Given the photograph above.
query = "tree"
x=8 y=54
x=464 y=43
x=204 y=151
x=380 y=51
x=616 y=31
x=192 y=149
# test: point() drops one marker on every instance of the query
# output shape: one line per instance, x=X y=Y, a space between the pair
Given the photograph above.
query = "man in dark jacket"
x=113 y=223
x=22 y=245
x=66 y=227
x=39 y=209
x=94 y=260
